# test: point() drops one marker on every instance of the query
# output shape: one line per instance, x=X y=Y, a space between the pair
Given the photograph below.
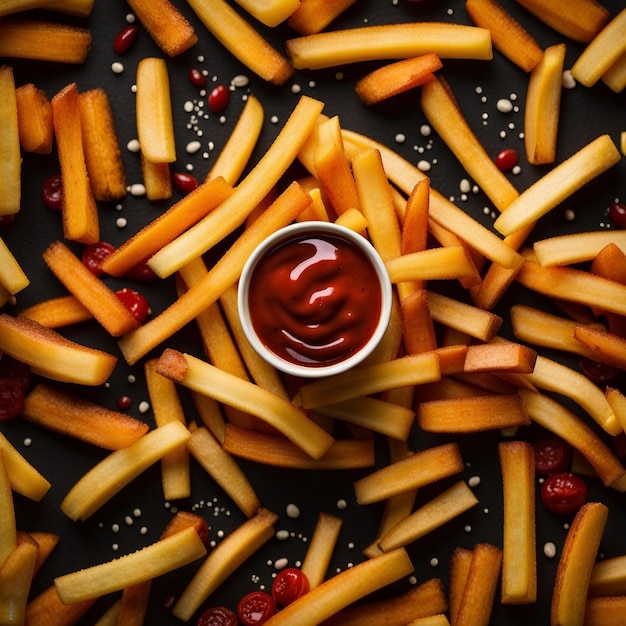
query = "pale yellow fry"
x=224 y=387
x=269 y=12
x=8 y=530
x=147 y=563
x=223 y=560
x=119 y=468
x=441 y=509
x=558 y=184
x=234 y=156
x=577 y=247
x=321 y=547
x=16 y=576
x=15 y=6
x=433 y=264
x=389 y=41
x=608 y=577
x=345 y=588
x=10 y=157
x=12 y=276
x=24 y=478
x=615 y=76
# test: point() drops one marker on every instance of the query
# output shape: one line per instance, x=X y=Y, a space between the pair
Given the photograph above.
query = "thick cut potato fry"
x=169 y=28
x=57 y=312
x=165 y=555
x=313 y=16
x=34 y=116
x=24 y=478
x=503 y=356
x=605 y=611
x=417 y=324
x=64 y=412
x=578 y=247
x=12 y=276
x=615 y=76
x=16 y=575
x=576 y=564
x=321 y=547
x=389 y=41
x=47 y=608
x=395 y=78
x=10 y=157
x=606 y=347
x=78 y=8
x=134 y=604
x=345 y=588
x=433 y=264
x=519 y=560
x=223 y=560
x=8 y=530
x=460 y=562
x=608 y=577
x=40 y=40
x=543 y=106
x=507 y=35
x=157 y=179
x=269 y=12
x=242 y=40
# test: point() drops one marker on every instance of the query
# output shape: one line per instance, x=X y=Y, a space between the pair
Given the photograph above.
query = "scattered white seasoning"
x=400 y=138
x=131 y=378
x=192 y=147
x=504 y=105
x=474 y=481
x=27 y=442
x=129 y=520
x=549 y=549
x=424 y=166
x=115 y=547
x=568 y=81
x=137 y=189
x=341 y=504
x=467 y=528
x=282 y=535
x=117 y=67
x=133 y=145
x=137 y=512
x=115 y=528
x=295 y=88
x=143 y=530
x=293 y=511
x=465 y=186
x=570 y=216
x=425 y=130
x=121 y=222
x=281 y=563
x=240 y=80
x=130 y=18
x=144 y=406
x=434 y=561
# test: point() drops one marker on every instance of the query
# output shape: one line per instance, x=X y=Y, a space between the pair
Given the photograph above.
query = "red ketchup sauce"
x=314 y=300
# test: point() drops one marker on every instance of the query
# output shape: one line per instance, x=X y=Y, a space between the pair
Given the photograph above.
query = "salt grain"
x=549 y=549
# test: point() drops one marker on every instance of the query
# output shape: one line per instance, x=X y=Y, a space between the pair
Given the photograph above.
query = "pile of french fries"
x=442 y=368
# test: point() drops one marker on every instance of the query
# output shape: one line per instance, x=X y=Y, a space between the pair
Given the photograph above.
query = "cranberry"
x=563 y=493
x=202 y=528
x=141 y=272
x=219 y=98
x=218 y=616
x=125 y=39
x=256 y=608
x=552 y=454
x=168 y=602
x=15 y=370
x=11 y=399
x=185 y=183
x=52 y=192
x=506 y=159
x=289 y=585
x=196 y=77
x=5 y=220
x=599 y=373
x=617 y=213
x=124 y=403
x=94 y=254
x=135 y=303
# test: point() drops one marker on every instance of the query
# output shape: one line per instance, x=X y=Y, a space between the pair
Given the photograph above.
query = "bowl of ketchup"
x=314 y=299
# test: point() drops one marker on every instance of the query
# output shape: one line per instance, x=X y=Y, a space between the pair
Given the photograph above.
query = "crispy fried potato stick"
x=433 y=264
x=606 y=347
x=615 y=76
x=8 y=529
x=16 y=575
x=269 y=12
x=577 y=247
x=47 y=608
x=388 y=41
x=313 y=16
x=321 y=547
x=504 y=356
x=608 y=610
x=34 y=115
x=78 y=8
x=57 y=312
x=134 y=603
x=157 y=179
x=24 y=478
x=608 y=577
x=10 y=157
x=12 y=276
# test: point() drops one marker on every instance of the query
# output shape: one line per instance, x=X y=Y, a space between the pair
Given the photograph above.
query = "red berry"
x=563 y=493
x=599 y=373
x=185 y=183
x=289 y=585
x=256 y=608
x=135 y=303
x=124 y=403
x=5 y=220
x=552 y=455
x=617 y=213
x=219 y=98
x=141 y=272
x=506 y=159
x=196 y=77
x=218 y=616
x=52 y=192
x=11 y=399
x=94 y=254
x=15 y=370
x=125 y=39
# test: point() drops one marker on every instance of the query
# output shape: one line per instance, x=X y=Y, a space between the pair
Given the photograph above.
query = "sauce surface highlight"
x=315 y=300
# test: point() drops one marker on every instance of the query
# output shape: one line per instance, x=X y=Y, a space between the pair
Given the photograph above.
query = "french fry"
x=395 y=78
x=16 y=575
x=388 y=41
x=15 y=6
x=508 y=36
x=345 y=588
x=519 y=561
x=502 y=357
x=67 y=413
x=615 y=76
x=12 y=276
x=606 y=347
x=224 y=387
x=425 y=599
x=157 y=179
x=115 y=471
x=280 y=452
x=433 y=514
x=152 y=237
x=602 y=52
x=8 y=536
x=78 y=8
x=79 y=210
x=46 y=543
x=559 y=183
x=155 y=125
x=103 y=156
x=41 y=40
x=242 y=40
x=320 y=550
x=134 y=604
x=431 y=620
x=418 y=329
x=416 y=470
x=270 y=13
x=576 y=564
x=57 y=312
x=617 y=402
x=608 y=577
x=169 y=28
x=432 y=264
x=224 y=470
x=410 y=370
x=47 y=608
x=460 y=563
x=236 y=152
x=24 y=478
x=610 y=262
x=167 y=407
x=156 y=559
x=474 y=414
x=52 y=355
x=34 y=116
x=89 y=290
x=576 y=248
x=604 y=610
x=543 y=106
x=223 y=560
x=223 y=274
x=313 y=16
x=11 y=162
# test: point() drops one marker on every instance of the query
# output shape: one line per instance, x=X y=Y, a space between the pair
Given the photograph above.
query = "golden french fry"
x=78 y=8
x=432 y=264
x=503 y=356
x=606 y=347
x=169 y=28
x=577 y=248
x=418 y=330
x=15 y=6
x=519 y=560
x=313 y=16
x=615 y=76
x=605 y=610
x=46 y=543
x=576 y=564
x=320 y=549
x=389 y=41
x=608 y=577
x=47 y=608
x=8 y=536
x=12 y=276
x=134 y=603
x=460 y=562
x=10 y=160
x=269 y=12
x=34 y=116
x=16 y=575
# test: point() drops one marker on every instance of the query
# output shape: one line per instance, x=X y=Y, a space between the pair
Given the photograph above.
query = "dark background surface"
x=585 y=114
